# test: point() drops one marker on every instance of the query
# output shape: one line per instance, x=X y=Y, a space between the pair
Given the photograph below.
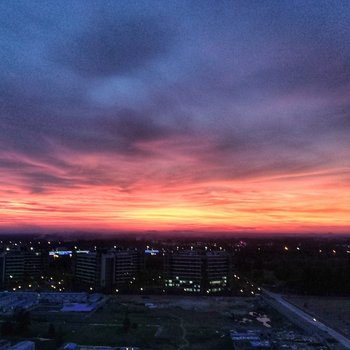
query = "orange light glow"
x=276 y=204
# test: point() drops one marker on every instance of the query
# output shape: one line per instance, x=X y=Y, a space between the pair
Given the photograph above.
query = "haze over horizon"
x=215 y=116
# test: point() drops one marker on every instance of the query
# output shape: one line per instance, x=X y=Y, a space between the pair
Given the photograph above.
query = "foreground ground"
x=176 y=322
x=158 y=322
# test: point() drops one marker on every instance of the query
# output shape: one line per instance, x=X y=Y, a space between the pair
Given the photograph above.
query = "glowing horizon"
x=139 y=117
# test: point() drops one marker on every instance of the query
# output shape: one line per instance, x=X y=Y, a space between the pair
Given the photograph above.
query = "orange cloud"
x=303 y=203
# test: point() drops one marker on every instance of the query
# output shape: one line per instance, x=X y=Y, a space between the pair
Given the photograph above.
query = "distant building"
x=128 y=264
x=87 y=268
x=107 y=270
x=22 y=264
x=197 y=271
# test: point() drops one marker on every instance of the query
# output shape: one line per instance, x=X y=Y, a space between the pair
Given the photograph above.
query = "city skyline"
x=195 y=116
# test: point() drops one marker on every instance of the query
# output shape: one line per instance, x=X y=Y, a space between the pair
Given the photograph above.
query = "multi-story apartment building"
x=128 y=263
x=197 y=271
x=87 y=267
x=22 y=264
x=107 y=269
x=217 y=271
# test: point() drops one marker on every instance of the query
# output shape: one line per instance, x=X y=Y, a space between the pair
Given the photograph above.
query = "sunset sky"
x=175 y=115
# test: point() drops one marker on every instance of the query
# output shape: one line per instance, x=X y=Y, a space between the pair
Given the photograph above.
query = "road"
x=308 y=318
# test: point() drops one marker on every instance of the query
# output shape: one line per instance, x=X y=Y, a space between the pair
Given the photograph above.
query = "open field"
x=335 y=312
x=175 y=322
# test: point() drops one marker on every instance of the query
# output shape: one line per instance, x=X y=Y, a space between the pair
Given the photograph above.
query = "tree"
x=51 y=332
x=7 y=328
x=126 y=323
x=59 y=337
x=22 y=320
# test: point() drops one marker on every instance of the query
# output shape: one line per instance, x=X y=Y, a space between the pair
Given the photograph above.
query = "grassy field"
x=176 y=323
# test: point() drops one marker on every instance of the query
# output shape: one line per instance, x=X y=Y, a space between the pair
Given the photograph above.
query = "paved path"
x=309 y=319
x=184 y=333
